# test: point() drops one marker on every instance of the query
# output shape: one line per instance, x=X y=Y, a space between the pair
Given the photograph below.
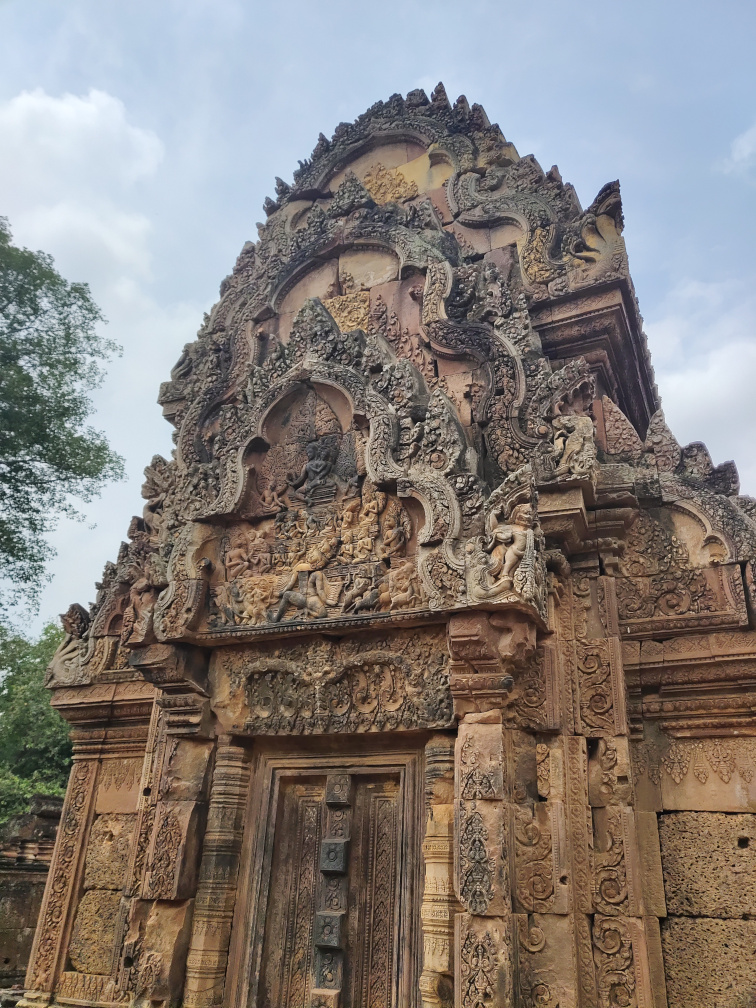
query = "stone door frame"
x=276 y=757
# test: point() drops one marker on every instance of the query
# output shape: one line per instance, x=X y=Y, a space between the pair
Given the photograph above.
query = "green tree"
x=35 y=751
x=50 y=360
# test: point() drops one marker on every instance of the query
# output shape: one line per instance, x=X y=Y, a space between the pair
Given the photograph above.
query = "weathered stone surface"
x=186 y=771
x=651 y=872
x=108 y=851
x=92 y=942
x=709 y=863
x=118 y=785
x=709 y=962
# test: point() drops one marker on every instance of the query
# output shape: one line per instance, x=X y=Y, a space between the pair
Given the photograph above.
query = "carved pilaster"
x=546 y=962
x=439 y=902
x=599 y=686
x=216 y=892
x=63 y=883
x=579 y=823
x=483 y=935
x=483 y=961
x=627 y=954
x=481 y=864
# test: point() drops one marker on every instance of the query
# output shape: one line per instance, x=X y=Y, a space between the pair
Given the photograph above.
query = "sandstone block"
x=709 y=963
x=185 y=775
x=652 y=884
x=108 y=851
x=709 y=861
x=91 y=947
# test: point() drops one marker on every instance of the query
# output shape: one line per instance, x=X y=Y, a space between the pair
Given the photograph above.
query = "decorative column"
x=488 y=650
x=63 y=881
x=216 y=892
x=104 y=779
x=440 y=904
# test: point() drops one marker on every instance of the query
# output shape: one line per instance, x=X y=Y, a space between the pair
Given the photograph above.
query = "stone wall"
x=709 y=937
x=26 y=846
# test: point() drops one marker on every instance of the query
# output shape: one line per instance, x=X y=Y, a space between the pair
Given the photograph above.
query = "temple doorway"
x=333 y=882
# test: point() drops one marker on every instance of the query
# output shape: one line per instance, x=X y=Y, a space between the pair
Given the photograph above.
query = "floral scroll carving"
x=660 y=585
x=68 y=849
x=315 y=688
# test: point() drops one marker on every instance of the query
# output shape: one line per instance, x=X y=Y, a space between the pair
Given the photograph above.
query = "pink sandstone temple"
x=425 y=677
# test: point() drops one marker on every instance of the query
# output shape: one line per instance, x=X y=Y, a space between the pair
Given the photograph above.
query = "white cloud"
x=703 y=345
x=56 y=145
x=100 y=242
x=68 y=170
x=77 y=179
x=742 y=159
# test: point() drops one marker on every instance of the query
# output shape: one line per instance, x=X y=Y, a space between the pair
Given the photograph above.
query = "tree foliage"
x=50 y=360
x=35 y=751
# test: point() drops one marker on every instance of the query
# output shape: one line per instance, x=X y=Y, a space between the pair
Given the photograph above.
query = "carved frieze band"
x=398 y=682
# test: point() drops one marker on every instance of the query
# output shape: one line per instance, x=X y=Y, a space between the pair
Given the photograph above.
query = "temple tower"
x=426 y=673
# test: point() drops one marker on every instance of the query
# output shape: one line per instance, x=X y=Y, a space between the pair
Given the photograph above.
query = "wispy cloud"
x=67 y=170
x=75 y=175
x=703 y=344
x=742 y=156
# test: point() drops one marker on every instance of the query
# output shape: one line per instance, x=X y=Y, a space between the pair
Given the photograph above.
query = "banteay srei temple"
x=425 y=676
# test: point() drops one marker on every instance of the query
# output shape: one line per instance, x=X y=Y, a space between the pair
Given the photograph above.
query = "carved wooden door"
x=335 y=893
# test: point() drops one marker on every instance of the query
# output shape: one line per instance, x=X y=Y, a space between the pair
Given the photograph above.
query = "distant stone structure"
x=426 y=676
x=26 y=847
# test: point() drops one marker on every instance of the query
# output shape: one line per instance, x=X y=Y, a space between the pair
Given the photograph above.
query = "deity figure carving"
x=404 y=590
x=272 y=497
x=314 y=472
x=501 y=561
x=155 y=490
x=574 y=453
x=62 y=668
x=396 y=531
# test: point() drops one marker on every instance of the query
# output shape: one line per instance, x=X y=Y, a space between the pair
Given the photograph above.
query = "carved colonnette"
x=430 y=613
x=216 y=889
x=439 y=904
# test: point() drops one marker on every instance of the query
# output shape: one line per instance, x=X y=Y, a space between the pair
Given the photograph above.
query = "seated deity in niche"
x=322 y=541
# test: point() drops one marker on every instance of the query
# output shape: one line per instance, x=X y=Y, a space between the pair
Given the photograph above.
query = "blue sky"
x=138 y=141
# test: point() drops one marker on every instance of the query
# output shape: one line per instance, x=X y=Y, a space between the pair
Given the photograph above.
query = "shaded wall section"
x=26 y=846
